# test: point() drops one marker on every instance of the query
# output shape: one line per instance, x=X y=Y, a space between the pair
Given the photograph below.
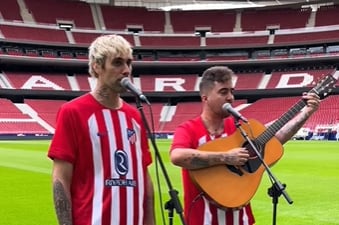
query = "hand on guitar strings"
x=236 y=156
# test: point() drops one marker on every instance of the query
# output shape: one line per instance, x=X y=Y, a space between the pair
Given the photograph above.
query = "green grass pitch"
x=310 y=169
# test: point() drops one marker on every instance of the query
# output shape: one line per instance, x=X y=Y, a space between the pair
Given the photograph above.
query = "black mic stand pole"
x=277 y=188
x=174 y=202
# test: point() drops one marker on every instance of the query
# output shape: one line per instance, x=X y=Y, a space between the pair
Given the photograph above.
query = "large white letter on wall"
x=175 y=83
x=39 y=82
x=305 y=79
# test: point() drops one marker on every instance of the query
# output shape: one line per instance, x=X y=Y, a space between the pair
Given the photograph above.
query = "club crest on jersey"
x=131 y=135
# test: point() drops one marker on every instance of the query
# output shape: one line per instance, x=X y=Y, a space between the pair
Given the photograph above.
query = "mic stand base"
x=275 y=193
x=169 y=205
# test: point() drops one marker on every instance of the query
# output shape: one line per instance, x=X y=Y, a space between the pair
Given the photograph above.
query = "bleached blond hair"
x=107 y=46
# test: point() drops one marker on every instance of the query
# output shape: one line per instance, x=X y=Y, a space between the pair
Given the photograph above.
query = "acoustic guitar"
x=234 y=186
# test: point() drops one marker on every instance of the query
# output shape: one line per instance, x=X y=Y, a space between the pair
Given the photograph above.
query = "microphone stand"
x=174 y=202
x=277 y=188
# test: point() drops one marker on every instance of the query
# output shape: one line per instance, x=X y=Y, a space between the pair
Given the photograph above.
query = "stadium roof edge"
x=174 y=5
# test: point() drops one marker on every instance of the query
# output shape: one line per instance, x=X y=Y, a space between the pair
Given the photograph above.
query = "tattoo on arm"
x=199 y=162
x=291 y=128
x=62 y=204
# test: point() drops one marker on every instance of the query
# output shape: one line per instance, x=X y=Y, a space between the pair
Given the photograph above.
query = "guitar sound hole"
x=235 y=170
x=251 y=151
x=254 y=162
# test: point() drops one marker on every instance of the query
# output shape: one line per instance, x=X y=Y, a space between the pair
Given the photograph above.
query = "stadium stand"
x=269 y=109
x=133 y=18
x=156 y=115
x=169 y=83
x=46 y=109
x=326 y=116
x=20 y=119
x=166 y=41
x=22 y=127
x=55 y=12
x=193 y=21
x=13 y=14
x=181 y=114
x=220 y=41
x=253 y=20
x=246 y=80
x=327 y=15
x=269 y=49
x=85 y=38
x=315 y=37
x=9 y=111
x=35 y=34
x=40 y=81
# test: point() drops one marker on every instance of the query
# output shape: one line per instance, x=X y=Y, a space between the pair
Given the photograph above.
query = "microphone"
x=228 y=107
x=127 y=84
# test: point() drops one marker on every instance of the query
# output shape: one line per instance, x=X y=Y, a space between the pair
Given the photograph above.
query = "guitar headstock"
x=326 y=84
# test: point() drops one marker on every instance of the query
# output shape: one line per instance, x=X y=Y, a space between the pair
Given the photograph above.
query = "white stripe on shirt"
x=127 y=148
x=221 y=216
x=115 y=208
x=245 y=216
x=141 y=178
x=207 y=212
x=98 y=171
x=236 y=217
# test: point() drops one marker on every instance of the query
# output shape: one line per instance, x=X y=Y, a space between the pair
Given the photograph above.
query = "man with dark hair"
x=216 y=89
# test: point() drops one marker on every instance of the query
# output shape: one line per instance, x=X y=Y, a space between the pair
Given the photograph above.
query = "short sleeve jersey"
x=110 y=154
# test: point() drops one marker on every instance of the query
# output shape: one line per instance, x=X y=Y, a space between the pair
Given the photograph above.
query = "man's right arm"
x=62 y=177
x=196 y=159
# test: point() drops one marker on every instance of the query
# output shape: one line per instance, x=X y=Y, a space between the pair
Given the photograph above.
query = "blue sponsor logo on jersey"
x=120 y=182
x=121 y=162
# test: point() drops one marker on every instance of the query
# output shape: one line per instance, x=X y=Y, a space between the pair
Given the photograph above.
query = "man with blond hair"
x=100 y=151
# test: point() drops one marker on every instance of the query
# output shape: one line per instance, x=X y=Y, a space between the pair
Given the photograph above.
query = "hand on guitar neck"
x=312 y=101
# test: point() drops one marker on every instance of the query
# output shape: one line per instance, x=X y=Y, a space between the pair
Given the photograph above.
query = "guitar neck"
x=323 y=88
x=279 y=123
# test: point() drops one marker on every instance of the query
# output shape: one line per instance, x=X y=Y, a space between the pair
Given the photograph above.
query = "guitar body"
x=230 y=186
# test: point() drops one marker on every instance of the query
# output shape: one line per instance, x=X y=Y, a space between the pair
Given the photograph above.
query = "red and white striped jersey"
x=110 y=154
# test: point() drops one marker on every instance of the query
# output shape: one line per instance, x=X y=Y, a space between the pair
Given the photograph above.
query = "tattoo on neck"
x=103 y=93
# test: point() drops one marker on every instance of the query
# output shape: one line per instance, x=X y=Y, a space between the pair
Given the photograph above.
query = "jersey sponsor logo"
x=121 y=162
x=122 y=168
x=120 y=182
